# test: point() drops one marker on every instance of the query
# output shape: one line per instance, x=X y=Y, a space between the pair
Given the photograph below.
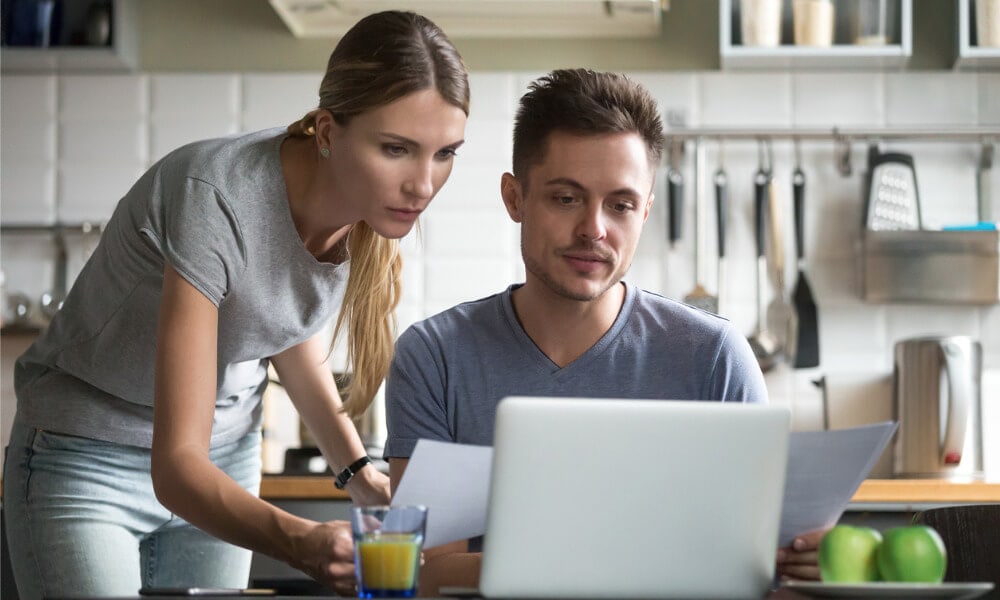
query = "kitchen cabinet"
x=70 y=53
x=972 y=55
x=842 y=54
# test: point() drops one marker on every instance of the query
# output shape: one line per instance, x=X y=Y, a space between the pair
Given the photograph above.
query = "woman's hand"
x=326 y=553
x=800 y=560
x=369 y=487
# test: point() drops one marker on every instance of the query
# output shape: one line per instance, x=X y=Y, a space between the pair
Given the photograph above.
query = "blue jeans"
x=82 y=519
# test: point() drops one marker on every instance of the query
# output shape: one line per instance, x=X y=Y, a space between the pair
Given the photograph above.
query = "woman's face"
x=387 y=164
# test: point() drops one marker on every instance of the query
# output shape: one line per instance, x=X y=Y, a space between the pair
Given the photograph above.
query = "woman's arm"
x=307 y=379
x=185 y=480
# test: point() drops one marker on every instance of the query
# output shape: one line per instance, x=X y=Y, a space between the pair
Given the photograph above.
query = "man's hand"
x=800 y=560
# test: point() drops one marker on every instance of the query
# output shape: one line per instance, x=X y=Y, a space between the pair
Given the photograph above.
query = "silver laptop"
x=599 y=498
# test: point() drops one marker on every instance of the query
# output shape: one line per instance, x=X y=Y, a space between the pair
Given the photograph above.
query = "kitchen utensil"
x=779 y=311
x=892 y=201
x=675 y=194
x=936 y=389
x=699 y=297
x=765 y=346
x=804 y=345
x=721 y=181
x=18 y=310
x=51 y=301
x=984 y=188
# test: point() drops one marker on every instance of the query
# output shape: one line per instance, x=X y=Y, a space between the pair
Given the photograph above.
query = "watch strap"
x=345 y=476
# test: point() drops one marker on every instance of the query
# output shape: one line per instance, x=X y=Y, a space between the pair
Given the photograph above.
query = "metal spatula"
x=804 y=344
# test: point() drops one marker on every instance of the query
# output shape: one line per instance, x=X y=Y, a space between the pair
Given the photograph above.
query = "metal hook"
x=765 y=156
x=842 y=153
x=796 y=142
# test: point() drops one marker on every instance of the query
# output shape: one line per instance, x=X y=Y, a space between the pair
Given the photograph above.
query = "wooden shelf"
x=734 y=55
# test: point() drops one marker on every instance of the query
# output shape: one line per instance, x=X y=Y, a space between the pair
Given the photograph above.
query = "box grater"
x=892 y=202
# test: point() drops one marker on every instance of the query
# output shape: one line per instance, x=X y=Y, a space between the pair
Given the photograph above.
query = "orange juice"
x=388 y=565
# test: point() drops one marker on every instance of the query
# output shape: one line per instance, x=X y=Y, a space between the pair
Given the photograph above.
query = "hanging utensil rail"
x=844 y=137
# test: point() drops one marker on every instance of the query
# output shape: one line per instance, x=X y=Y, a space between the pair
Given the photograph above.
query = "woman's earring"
x=324 y=152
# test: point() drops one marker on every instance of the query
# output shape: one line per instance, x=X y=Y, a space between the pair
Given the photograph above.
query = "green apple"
x=914 y=553
x=847 y=554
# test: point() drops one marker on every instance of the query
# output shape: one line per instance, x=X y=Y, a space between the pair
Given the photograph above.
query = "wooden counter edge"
x=306 y=487
x=901 y=491
x=926 y=491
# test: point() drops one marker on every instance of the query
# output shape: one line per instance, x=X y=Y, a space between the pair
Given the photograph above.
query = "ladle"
x=763 y=343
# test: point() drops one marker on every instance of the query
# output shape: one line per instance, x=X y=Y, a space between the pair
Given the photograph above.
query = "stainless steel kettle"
x=936 y=390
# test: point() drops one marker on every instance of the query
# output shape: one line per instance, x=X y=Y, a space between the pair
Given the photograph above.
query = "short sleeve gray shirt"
x=217 y=212
x=450 y=371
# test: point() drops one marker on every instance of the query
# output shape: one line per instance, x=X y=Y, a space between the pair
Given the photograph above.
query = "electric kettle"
x=936 y=393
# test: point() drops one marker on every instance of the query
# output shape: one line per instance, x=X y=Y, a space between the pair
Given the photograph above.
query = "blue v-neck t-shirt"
x=451 y=370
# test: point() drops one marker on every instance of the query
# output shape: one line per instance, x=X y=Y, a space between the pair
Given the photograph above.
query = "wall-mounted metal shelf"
x=844 y=137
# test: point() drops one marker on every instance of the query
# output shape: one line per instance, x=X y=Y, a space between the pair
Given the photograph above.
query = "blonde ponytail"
x=368 y=312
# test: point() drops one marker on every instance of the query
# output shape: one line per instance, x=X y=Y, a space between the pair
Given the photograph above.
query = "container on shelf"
x=813 y=22
x=760 y=22
x=874 y=22
x=988 y=23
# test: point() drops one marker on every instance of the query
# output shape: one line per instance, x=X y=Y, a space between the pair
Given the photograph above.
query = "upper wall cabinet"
x=978 y=34
x=815 y=34
x=69 y=36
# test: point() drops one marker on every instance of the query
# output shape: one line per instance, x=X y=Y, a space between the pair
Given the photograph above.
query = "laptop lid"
x=633 y=499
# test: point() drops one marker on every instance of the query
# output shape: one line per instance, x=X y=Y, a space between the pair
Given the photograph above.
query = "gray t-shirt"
x=451 y=370
x=217 y=212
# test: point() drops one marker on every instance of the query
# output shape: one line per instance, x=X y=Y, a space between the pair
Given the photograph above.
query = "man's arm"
x=446 y=565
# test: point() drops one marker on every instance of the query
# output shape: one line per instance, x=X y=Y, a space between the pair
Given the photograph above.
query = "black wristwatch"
x=344 y=476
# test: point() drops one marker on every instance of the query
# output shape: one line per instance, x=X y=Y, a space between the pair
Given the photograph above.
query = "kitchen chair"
x=971 y=535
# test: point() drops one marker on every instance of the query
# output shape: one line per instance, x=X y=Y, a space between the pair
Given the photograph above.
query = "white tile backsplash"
x=989 y=92
x=73 y=145
x=27 y=193
x=173 y=96
x=277 y=99
x=104 y=97
x=108 y=142
x=91 y=192
x=27 y=99
x=28 y=142
x=745 y=99
x=842 y=99
x=921 y=99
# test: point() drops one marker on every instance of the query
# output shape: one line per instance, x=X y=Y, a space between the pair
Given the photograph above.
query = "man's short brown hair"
x=583 y=102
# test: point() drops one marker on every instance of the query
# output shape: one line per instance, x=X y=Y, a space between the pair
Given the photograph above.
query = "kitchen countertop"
x=873 y=491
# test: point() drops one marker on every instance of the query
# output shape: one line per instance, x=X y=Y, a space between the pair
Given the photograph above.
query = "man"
x=586 y=149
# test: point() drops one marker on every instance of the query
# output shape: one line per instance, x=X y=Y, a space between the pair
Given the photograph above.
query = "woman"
x=136 y=447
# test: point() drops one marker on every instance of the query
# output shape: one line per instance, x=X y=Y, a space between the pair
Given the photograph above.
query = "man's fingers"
x=804 y=572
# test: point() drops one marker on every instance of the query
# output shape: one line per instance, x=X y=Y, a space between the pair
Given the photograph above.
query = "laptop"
x=608 y=498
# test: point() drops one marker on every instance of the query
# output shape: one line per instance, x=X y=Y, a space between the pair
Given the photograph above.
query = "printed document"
x=825 y=469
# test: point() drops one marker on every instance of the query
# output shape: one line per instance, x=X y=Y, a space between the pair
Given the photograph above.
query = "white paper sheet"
x=453 y=482
x=825 y=468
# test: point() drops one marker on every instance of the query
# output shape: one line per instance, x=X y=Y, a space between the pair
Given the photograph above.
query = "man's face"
x=581 y=211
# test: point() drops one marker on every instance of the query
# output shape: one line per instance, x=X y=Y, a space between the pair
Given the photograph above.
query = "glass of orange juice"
x=387 y=542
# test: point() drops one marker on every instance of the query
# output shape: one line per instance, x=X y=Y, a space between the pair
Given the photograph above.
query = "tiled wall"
x=71 y=145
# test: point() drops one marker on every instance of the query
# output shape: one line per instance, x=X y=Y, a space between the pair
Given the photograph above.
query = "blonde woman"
x=135 y=454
